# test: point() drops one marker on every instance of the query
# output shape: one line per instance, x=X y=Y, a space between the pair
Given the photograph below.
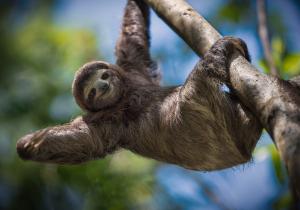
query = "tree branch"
x=264 y=36
x=275 y=102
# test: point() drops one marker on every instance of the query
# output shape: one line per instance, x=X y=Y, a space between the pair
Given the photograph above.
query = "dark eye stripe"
x=92 y=93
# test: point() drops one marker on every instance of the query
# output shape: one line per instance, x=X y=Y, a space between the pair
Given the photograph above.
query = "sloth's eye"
x=92 y=93
x=105 y=76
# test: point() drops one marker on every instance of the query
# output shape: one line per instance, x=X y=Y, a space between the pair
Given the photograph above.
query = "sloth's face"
x=97 y=85
x=102 y=89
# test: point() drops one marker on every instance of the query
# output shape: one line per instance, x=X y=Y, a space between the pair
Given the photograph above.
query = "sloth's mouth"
x=103 y=91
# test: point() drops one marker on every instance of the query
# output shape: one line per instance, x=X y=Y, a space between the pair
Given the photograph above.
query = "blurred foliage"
x=234 y=11
x=288 y=63
x=38 y=60
x=277 y=163
x=239 y=12
x=291 y=64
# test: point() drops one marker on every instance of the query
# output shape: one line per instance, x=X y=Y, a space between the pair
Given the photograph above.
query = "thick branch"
x=275 y=102
x=264 y=36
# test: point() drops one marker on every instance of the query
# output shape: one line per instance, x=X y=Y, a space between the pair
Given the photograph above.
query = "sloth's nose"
x=102 y=85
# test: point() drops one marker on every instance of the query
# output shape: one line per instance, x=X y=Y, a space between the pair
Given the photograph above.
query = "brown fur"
x=196 y=125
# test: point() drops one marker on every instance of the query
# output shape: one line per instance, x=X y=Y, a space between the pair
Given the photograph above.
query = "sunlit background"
x=43 y=43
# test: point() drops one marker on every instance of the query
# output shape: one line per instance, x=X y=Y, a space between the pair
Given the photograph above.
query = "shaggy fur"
x=195 y=125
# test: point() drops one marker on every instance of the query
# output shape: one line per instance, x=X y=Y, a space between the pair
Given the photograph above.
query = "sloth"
x=196 y=125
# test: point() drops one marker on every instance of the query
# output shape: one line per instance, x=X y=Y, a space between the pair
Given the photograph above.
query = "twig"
x=264 y=36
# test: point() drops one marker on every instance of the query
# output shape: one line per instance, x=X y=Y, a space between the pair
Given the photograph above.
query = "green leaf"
x=291 y=64
x=278 y=49
x=277 y=45
x=277 y=164
x=262 y=63
x=234 y=11
x=283 y=202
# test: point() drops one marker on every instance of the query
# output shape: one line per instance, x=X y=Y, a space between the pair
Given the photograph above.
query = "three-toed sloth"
x=196 y=125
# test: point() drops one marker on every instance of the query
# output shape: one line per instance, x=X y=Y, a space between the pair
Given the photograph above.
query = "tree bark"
x=275 y=102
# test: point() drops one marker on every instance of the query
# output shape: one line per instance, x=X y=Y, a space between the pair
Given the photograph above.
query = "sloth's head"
x=98 y=85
